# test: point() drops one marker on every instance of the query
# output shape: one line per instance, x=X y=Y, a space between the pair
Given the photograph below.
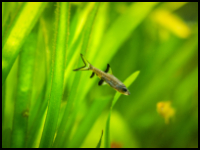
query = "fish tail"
x=86 y=67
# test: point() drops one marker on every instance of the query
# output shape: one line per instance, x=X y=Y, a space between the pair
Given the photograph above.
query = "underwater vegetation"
x=151 y=47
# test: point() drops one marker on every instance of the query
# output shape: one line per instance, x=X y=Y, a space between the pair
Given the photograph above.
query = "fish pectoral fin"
x=108 y=69
x=104 y=83
x=101 y=82
x=92 y=75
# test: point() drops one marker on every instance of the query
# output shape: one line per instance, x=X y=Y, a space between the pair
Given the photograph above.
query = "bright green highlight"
x=21 y=26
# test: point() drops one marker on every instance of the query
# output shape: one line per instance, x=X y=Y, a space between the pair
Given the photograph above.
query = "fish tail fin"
x=86 y=67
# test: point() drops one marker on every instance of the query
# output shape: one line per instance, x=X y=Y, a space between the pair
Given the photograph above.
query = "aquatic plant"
x=151 y=47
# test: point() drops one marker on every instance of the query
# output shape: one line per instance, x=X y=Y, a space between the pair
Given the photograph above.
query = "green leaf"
x=127 y=82
x=10 y=97
x=88 y=121
x=24 y=89
x=6 y=138
x=3 y=103
x=107 y=132
x=115 y=36
x=18 y=32
x=99 y=144
x=63 y=133
x=58 y=61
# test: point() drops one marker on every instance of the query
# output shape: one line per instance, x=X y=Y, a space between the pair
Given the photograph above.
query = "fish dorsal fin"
x=92 y=75
x=101 y=82
x=108 y=69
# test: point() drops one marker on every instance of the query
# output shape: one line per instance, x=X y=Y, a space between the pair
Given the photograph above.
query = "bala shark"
x=105 y=77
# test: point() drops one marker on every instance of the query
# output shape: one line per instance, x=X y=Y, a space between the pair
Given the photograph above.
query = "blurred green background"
x=158 y=39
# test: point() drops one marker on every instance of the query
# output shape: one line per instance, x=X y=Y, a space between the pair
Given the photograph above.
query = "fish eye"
x=124 y=89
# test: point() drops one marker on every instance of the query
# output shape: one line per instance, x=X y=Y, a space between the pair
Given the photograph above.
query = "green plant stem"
x=88 y=121
x=21 y=27
x=112 y=41
x=127 y=82
x=62 y=130
x=37 y=116
x=3 y=103
x=22 y=103
x=55 y=97
x=99 y=144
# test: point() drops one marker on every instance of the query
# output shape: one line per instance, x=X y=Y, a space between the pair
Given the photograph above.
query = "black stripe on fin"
x=107 y=69
x=92 y=75
x=100 y=82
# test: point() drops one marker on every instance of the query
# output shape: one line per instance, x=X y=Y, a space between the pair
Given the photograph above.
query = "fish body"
x=105 y=77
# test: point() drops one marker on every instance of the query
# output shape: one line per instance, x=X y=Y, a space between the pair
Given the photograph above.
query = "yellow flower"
x=165 y=110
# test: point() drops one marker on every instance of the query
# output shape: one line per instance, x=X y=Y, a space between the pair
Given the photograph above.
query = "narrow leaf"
x=22 y=25
x=99 y=144
x=24 y=89
x=88 y=121
x=62 y=133
x=127 y=82
x=125 y=24
x=107 y=132
x=62 y=14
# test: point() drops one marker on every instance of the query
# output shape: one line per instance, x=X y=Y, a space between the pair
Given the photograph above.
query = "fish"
x=165 y=110
x=106 y=77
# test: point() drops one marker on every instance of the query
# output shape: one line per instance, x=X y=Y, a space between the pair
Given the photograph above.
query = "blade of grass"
x=6 y=135
x=98 y=31
x=37 y=116
x=127 y=82
x=72 y=97
x=88 y=121
x=39 y=80
x=40 y=95
x=186 y=88
x=78 y=22
x=4 y=17
x=39 y=121
x=22 y=25
x=94 y=37
x=3 y=103
x=22 y=103
x=125 y=25
x=177 y=61
x=10 y=91
x=159 y=54
x=99 y=144
x=9 y=12
x=86 y=42
x=72 y=58
x=184 y=96
x=75 y=37
x=62 y=12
